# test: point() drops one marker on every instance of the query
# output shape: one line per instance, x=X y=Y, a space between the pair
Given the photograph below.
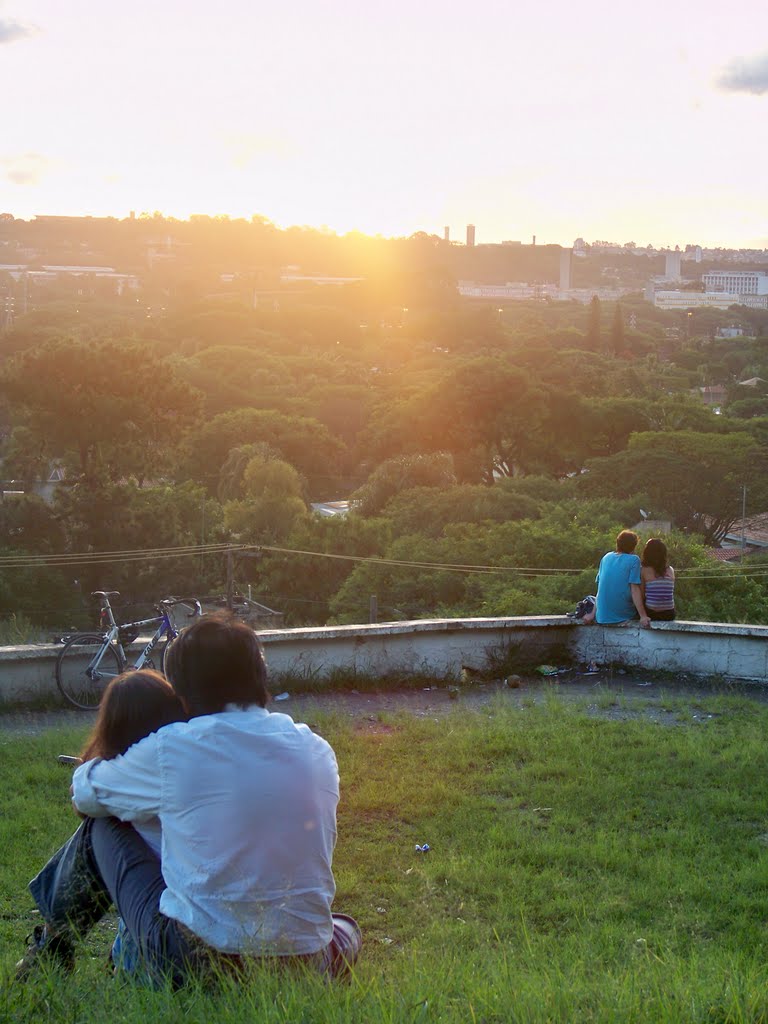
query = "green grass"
x=582 y=869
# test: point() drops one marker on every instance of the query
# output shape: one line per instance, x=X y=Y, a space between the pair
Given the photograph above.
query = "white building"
x=741 y=282
x=695 y=300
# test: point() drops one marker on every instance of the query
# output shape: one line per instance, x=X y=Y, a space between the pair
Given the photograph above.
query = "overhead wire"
x=127 y=556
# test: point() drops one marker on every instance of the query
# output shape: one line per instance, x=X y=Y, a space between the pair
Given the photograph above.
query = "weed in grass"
x=605 y=698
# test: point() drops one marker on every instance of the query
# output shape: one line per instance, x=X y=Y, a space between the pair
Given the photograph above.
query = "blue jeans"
x=107 y=862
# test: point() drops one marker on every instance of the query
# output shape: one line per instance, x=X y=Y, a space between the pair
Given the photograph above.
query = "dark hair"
x=655 y=556
x=215 y=662
x=133 y=705
x=626 y=542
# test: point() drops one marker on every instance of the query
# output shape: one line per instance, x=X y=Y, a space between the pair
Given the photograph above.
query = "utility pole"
x=743 y=520
x=230 y=579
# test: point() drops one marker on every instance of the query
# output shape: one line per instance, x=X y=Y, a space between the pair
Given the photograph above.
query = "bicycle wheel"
x=81 y=675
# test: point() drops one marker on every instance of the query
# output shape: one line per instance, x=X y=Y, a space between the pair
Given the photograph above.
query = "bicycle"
x=88 y=661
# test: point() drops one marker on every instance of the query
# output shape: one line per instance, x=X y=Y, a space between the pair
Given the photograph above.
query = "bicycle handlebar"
x=169 y=601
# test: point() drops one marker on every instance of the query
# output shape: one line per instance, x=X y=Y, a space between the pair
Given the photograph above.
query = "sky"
x=622 y=121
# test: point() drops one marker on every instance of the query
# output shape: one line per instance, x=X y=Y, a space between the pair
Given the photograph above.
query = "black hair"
x=217 y=661
x=655 y=556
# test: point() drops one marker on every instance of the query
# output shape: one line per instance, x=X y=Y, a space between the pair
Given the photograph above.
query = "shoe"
x=45 y=950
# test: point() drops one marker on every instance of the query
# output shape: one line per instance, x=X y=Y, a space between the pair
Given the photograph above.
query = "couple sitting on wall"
x=631 y=588
x=209 y=823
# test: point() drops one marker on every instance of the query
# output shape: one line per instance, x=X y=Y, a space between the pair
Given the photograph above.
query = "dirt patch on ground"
x=608 y=694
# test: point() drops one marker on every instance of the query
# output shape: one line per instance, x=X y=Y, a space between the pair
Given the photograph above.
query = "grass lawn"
x=582 y=869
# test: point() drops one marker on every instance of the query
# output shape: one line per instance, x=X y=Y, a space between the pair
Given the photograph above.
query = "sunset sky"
x=612 y=120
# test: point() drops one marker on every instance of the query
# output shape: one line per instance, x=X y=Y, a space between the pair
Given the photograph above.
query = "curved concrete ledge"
x=441 y=647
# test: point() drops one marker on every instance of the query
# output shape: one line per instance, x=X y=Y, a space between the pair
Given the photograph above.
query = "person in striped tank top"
x=658 y=582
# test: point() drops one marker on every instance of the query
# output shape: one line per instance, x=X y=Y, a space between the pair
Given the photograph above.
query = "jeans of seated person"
x=334 y=961
x=126 y=958
x=106 y=861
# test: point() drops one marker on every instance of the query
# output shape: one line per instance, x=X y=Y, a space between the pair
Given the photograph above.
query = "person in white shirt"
x=246 y=801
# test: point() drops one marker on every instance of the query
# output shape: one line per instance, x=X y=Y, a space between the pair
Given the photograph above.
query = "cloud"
x=25 y=169
x=11 y=30
x=746 y=74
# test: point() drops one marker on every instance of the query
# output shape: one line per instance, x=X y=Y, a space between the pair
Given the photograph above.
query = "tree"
x=400 y=474
x=593 y=325
x=301 y=585
x=232 y=473
x=695 y=478
x=272 y=502
x=115 y=407
x=304 y=442
x=483 y=410
x=429 y=510
x=121 y=516
x=617 y=331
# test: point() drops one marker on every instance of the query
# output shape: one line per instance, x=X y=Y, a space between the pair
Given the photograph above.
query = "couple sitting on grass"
x=631 y=588
x=209 y=823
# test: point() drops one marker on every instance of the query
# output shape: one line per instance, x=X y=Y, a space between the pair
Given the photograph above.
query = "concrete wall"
x=442 y=646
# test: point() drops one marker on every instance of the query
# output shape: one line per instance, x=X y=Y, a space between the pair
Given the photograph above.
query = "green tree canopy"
x=304 y=442
x=272 y=502
x=695 y=478
x=114 y=406
x=400 y=474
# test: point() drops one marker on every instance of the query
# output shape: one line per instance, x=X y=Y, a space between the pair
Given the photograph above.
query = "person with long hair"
x=658 y=581
x=133 y=706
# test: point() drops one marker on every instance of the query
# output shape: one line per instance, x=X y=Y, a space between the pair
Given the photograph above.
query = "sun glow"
x=502 y=121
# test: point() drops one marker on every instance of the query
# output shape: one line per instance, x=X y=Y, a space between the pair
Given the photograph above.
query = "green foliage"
x=747 y=408
x=302 y=585
x=428 y=510
x=180 y=393
x=593 y=326
x=271 y=503
x=115 y=406
x=303 y=442
x=696 y=478
x=400 y=474
x=106 y=517
x=18 y=629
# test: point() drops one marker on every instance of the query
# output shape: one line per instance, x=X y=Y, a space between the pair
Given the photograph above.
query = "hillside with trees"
x=489 y=454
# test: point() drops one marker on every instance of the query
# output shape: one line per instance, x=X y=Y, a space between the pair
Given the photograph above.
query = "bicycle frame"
x=165 y=628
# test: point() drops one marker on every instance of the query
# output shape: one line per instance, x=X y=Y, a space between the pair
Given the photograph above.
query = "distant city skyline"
x=560 y=121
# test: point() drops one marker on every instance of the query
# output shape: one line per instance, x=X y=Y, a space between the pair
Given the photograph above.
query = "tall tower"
x=566 y=262
x=672 y=265
x=447 y=233
x=470 y=234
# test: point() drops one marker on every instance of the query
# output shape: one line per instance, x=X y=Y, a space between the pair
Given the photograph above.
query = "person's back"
x=614 y=599
x=618 y=584
x=248 y=814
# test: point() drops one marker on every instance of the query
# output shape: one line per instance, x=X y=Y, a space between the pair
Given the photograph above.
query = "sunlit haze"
x=618 y=121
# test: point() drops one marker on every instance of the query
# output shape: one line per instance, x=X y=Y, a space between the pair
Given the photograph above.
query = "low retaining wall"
x=441 y=647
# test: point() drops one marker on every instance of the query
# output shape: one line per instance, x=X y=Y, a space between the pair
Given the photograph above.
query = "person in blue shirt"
x=619 y=591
